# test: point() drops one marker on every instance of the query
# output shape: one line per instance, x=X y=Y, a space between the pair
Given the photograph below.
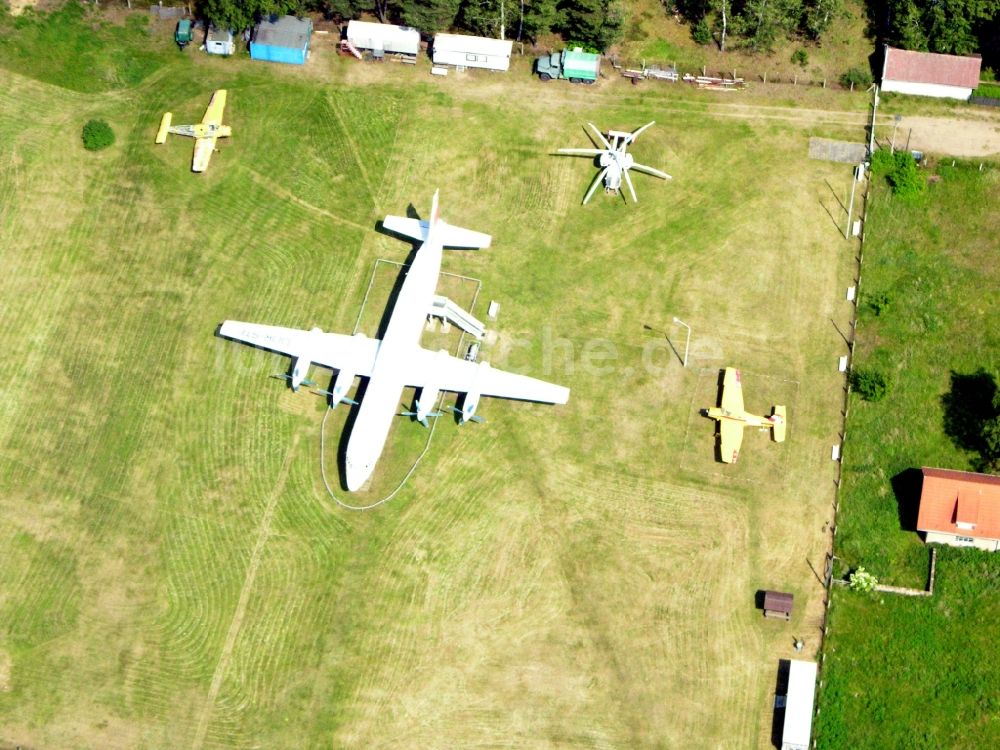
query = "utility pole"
x=850 y=206
x=892 y=146
x=871 y=140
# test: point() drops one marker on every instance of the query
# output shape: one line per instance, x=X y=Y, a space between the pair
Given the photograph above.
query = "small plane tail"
x=779 y=423
x=161 y=134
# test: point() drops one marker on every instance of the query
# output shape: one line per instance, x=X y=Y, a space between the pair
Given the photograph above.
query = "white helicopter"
x=615 y=161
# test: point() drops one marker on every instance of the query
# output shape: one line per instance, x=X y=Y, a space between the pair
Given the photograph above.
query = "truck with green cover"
x=574 y=65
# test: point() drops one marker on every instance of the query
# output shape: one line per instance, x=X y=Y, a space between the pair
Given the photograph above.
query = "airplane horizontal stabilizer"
x=411 y=228
x=458 y=237
x=780 y=421
x=448 y=235
x=161 y=135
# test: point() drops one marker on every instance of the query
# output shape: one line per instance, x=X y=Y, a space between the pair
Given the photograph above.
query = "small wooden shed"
x=778 y=604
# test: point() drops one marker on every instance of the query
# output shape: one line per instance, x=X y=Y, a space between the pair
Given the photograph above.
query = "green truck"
x=184 y=34
x=575 y=65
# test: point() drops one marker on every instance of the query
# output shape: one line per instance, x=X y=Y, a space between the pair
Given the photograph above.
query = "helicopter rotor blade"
x=594 y=184
x=631 y=189
x=600 y=135
x=650 y=170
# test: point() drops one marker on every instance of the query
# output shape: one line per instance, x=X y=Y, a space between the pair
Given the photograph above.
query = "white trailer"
x=383 y=37
x=472 y=51
x=799 y=705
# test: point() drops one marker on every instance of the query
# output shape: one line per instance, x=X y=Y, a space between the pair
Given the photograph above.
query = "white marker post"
x=687 y=344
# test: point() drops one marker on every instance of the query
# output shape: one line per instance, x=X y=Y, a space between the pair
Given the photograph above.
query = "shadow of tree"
x=968 y=405
x=906 y=486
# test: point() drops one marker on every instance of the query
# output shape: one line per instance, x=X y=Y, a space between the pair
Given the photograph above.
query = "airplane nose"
x=356 y=475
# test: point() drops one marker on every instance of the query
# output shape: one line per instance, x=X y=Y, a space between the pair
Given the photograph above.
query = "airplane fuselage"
x=747 y=419
x=385 y=386
x=202 y=130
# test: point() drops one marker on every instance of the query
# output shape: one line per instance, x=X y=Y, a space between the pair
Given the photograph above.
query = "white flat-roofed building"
x=383 y=37
x=799 y=705
x=472 y=51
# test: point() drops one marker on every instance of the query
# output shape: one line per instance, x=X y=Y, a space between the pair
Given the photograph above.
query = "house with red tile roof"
x=960 y=508
x=930 y=74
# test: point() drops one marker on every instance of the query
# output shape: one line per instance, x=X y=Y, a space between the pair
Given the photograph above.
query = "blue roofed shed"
x=284 y=40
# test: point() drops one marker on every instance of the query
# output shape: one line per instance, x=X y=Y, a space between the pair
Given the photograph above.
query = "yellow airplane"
x=732 y=418
x=205 y=133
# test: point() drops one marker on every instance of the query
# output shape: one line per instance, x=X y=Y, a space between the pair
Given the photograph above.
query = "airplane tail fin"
x=161 y=134
x=435 y=208
x=779 y=424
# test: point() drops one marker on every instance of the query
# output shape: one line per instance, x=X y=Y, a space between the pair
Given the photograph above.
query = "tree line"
x=596 y=24
x=757 y=24
x=959 y=27
x=950 y=26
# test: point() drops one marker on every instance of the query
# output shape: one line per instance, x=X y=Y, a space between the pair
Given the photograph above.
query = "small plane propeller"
x=410 y=413
x=472 y=417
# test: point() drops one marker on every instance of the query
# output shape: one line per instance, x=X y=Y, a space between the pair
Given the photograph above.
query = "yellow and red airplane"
x=732 y=418
x=205 y=133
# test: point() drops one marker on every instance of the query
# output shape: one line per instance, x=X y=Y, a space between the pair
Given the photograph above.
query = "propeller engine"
x=301 y=365
x=300 y=368
x=423 y=412
x=341 y=385
x=468 y=411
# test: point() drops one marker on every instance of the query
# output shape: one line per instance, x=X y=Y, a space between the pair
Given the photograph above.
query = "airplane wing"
x=730 y=439
x=203 y=148
x=355 y=354
x=213 y=115
x=732 y=392
x=450 y=236
x=461 y=376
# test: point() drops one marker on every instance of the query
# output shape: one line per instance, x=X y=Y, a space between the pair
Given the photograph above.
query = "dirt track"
x=951 y=136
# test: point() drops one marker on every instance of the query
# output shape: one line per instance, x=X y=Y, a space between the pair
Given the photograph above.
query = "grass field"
x=927 y=267
x=172 y=571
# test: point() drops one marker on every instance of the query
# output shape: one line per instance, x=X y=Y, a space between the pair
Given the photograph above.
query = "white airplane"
x=397 y=360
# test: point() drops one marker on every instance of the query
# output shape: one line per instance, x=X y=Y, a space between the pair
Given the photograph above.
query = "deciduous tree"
x=242 y=14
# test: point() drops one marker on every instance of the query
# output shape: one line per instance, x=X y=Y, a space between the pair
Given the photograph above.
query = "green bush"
x=987 y=90
x=862 y=580
x=701 y=32
x=879 y=303
x=905 y=178
x=870 y=384
x=860 y=77
x=573 y=44
x=882 y=162
x=97 y=135
x=800 y=57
